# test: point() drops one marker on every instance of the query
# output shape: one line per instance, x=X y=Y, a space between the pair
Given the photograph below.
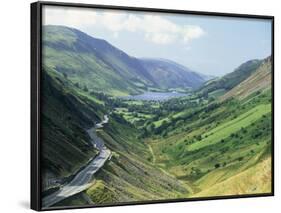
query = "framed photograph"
x=141 y=105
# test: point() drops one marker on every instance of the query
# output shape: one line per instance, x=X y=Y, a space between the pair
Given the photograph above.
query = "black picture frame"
x=36 y=65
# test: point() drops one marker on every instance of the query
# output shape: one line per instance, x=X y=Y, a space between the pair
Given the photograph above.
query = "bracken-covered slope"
x=96 y=64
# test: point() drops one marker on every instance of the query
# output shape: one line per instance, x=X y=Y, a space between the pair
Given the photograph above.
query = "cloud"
x=154 y=28
x=69 y=16
x=192 y=32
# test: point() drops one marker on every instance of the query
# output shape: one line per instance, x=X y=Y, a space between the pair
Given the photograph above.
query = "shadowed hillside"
x=66 y=113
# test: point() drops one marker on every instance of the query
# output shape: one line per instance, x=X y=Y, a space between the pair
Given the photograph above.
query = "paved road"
x=104 y=121
x=82 y=180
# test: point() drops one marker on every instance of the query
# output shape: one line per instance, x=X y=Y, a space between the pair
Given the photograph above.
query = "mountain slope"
x=99 y=66
x=228 y=81
x=169 y=74
x=66 y=113
x=257 y=81
x=130 y=169
x=91 y=62
x=253 y=180
x=219 y=145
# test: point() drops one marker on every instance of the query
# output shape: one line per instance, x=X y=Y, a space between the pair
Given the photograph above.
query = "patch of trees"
x=198 y=137
x=120 y=119
x=257 y=134
x=85 y=88
x=217 y=165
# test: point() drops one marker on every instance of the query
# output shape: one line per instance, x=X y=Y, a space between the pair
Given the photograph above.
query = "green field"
x=232 y=126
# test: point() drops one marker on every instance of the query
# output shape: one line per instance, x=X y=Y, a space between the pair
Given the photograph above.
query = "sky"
x=206 y=44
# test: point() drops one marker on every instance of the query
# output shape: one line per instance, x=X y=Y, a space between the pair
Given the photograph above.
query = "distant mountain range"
x=98 y=65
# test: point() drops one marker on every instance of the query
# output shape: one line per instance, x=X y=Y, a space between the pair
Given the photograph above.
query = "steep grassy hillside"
x=129 y=176
x=66 y=113
x=218 y=144
x=259 y=80
x=253 y=180
x=229 y=81
x=96 y=65
x=90 y=62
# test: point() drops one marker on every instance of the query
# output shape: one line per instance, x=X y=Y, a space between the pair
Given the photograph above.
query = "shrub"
x=240 y=158
x=85 y=88
x=217 y=165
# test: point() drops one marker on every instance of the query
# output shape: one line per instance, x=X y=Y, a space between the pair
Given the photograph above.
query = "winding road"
x=82 y=180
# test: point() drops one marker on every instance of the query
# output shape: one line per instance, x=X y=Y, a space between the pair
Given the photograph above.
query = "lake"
x=156 y=96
